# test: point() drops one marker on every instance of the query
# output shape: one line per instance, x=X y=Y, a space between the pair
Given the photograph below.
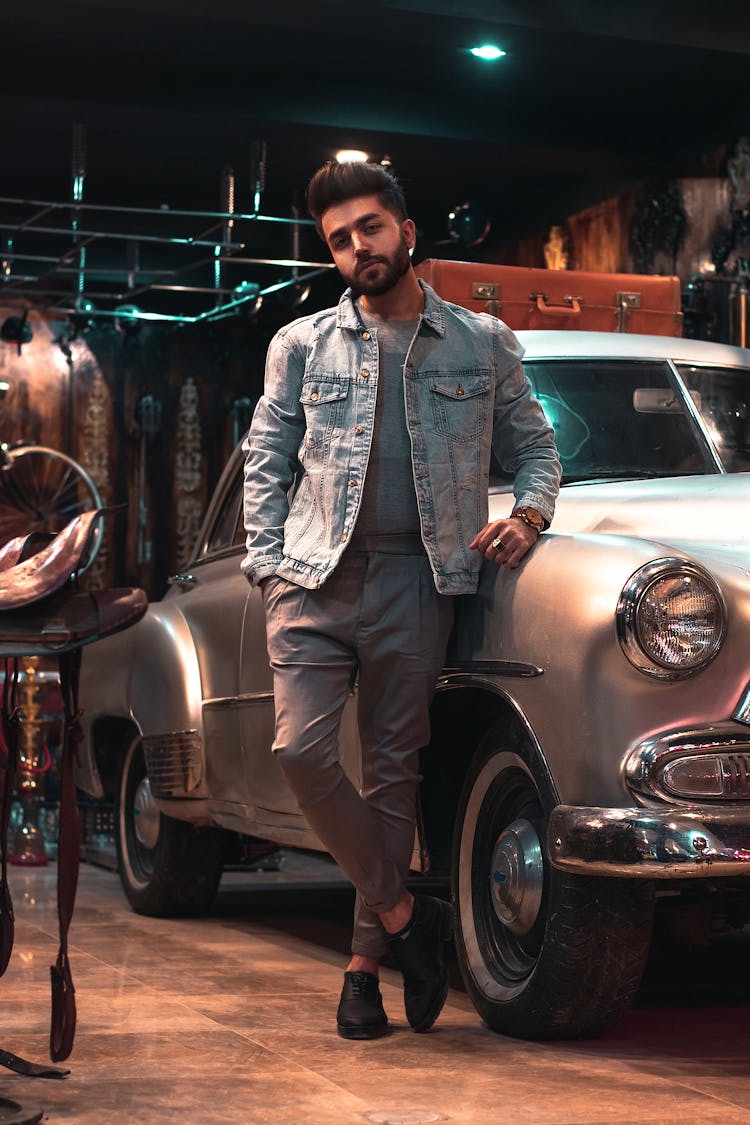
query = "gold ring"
x=497 y=544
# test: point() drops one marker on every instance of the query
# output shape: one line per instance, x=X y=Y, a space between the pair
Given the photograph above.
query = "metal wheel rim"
x=517 y=877
x=501 y=953
x=137 y=855
x=145 y=816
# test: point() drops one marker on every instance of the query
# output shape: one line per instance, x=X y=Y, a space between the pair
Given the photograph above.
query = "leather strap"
x=63 y=1022
x=61 y=624
x=30 y=1069
x=8 y=762
x=13 y=1113
x=63 y=1026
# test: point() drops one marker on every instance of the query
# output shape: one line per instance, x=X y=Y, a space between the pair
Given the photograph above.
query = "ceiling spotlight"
x=245 y=290
x=488 y=52
x=82 y=317
x=351 y=156
x=248 y=297
x=127 y=320
x=16 y=330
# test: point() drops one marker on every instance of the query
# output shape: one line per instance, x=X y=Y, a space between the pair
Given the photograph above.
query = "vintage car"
x=591 y=730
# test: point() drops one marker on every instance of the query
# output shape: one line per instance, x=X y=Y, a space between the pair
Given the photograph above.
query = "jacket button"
x=359 y=429
x=344 y=537
x=314 y=396
x=352 y=482
x=365 y=373
x=365 y=335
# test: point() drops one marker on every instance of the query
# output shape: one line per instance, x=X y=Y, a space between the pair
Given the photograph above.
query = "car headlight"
x=671 y=619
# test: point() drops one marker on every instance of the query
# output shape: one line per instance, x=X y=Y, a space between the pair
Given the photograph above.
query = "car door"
x=209 y=599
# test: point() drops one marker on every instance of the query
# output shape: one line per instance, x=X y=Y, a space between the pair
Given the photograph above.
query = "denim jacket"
x=465 y=392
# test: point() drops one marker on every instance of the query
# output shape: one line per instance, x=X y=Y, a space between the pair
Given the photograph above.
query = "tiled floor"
x=231 y=1018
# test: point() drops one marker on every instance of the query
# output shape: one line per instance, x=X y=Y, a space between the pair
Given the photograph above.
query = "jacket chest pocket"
x=324 y=403
x=460 y=404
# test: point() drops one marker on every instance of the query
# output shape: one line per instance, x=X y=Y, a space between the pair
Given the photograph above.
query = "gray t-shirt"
x=389 y=502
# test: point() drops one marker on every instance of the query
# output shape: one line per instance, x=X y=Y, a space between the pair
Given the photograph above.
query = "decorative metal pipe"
x=79 y=180
x=227 y=206
x=258 y=173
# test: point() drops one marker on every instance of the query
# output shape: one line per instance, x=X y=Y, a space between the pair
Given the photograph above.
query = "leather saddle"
x=43 y=612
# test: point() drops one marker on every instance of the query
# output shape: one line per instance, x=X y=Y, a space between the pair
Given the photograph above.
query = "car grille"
x=735 y=769
x=174 y=762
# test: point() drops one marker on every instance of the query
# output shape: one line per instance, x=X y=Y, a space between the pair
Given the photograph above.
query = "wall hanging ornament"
x=730 y=252
x=95 y=447
x=659 y=224
x=148 y=417
x=187 y=474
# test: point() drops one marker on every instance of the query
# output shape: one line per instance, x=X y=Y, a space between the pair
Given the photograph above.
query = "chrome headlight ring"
x=671 y=619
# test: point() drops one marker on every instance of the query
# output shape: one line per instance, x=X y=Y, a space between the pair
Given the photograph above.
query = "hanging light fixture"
x=128 y=320
x=17 y=331
x=468 y=224
x=248 y=297
x=351 y=156
x=82 y=318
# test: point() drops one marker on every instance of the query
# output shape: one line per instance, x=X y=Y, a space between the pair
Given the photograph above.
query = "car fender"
x=165 y=689
x=104 y=693
x=146 y=675
x=554 y=618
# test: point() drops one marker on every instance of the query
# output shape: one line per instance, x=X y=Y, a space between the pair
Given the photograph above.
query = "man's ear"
x=410 y=233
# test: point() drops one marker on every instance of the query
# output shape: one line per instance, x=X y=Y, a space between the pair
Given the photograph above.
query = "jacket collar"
x=433 y=315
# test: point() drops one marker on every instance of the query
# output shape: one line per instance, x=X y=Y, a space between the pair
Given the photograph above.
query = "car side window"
x=609 y=419
x=227 y=530
x=723 y=398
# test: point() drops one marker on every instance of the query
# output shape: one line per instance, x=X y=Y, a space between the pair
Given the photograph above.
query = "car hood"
x=697 y=515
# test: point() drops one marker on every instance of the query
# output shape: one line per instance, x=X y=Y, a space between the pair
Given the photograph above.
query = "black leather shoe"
x=361 y=1014
x=419 y=950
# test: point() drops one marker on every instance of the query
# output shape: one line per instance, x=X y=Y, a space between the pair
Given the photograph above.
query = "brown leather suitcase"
x=538 y=298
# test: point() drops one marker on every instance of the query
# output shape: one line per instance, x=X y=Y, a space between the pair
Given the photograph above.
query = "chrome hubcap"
x=517 y=877
x=145 y=816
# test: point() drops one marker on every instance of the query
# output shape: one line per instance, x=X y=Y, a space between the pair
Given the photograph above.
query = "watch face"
x=531 y=517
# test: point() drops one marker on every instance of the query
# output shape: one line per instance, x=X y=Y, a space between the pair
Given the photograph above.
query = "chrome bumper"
x=672 y=843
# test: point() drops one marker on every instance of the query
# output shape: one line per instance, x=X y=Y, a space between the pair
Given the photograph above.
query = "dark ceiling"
x=592 y=97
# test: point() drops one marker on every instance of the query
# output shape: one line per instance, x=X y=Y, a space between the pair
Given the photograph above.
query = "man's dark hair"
x=336 y=183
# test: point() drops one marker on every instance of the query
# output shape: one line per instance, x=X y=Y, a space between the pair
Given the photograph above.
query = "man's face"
x=369 y=245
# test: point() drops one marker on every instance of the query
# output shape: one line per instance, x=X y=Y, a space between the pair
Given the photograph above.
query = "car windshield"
x=618 y=418
x=723 y=397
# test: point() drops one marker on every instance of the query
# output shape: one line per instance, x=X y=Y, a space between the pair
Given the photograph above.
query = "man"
x=366 y=511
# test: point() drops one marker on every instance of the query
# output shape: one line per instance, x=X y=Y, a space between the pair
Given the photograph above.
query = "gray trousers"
x=379 y=618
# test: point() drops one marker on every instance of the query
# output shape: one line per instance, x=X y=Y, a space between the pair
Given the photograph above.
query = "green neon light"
x=488 y=52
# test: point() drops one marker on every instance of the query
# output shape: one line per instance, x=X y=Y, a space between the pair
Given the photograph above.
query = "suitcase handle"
x=571 y=307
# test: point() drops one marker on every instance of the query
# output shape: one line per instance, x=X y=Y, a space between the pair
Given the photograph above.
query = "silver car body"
x=545 y=642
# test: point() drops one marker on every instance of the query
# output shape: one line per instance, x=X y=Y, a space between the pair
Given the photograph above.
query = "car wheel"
x=167 y=866
x=544 y=954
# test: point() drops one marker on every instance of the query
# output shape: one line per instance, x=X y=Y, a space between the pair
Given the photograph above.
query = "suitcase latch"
x=625 y=302
x=488 y=291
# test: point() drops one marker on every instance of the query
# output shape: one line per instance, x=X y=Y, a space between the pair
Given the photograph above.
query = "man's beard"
x=395 y=268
